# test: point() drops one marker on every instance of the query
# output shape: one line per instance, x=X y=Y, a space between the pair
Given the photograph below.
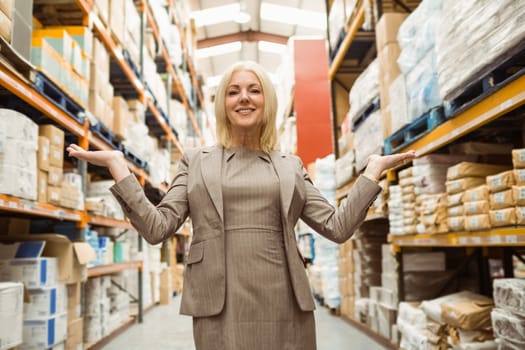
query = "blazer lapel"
x=286 y=180
x=211 y=169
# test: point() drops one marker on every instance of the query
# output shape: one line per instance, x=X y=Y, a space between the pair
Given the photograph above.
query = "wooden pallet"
x=107 y=135
x=501 y=73
x=415 y=130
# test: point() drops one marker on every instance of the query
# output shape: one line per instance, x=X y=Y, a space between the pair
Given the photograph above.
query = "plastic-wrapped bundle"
x=417 y=34
x=423 y=89
x=395 y=210
x=509 y=293
x=368 y=139
x=473 y=35
x=399 y=116
x=344 y=168
x=364 y=90
x=508 y=325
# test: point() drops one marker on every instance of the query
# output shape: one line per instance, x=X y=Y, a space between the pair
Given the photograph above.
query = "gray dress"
x=261 y=312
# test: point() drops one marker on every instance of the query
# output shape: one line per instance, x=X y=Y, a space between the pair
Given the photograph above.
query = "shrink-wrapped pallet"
x=473 y=37
x=364 y=90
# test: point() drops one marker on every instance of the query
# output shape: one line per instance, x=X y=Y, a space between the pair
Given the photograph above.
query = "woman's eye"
x=232 y=93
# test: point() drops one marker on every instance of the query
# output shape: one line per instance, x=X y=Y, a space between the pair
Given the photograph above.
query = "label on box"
x=496 y=182
x=499 y=215
x=499 y=197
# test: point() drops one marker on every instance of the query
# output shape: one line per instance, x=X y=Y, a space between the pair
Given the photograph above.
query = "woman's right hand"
x=113 y=160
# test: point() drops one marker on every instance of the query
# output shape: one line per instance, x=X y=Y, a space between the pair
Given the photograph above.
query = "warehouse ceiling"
x=229 y=31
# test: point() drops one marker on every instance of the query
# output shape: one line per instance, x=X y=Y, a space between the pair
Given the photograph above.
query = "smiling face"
x=244 y=103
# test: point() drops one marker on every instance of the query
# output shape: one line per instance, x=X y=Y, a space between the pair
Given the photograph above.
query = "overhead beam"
x=248 y=35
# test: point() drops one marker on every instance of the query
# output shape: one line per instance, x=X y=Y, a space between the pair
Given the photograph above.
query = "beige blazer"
x=196 y=191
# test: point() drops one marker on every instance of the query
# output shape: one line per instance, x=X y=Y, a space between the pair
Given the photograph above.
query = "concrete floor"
x=163 y=328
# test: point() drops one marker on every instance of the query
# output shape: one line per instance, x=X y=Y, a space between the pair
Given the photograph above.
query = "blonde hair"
x=268 y=138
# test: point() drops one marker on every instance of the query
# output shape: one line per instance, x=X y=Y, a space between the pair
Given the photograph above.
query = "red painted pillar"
x=312 y=100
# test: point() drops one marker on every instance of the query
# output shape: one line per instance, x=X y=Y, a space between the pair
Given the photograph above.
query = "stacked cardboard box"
x=100 y=90
x=388 y=52
x=466 y=176
x=18 y=155
x=11 y=319
x=346 y=278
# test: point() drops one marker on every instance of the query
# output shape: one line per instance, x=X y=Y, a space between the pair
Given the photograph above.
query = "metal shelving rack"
x=20 y=85
x=492 y=107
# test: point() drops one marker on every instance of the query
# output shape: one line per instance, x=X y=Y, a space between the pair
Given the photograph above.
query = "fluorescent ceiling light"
x=218 y=14
x=268 y=46
x=291 y=15
x=219 y=49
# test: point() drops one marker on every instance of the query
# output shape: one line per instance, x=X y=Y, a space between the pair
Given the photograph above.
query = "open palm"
x=100 y=158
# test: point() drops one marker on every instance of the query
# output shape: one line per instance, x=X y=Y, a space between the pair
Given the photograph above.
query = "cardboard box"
x=53 y=195
x=73 y=301
x=166 y=284
x=44 y=333
x=71 y=257
x=7 y=6
x=45 y=302
x=56 y=156
x=54 y=176
x=11 y=299
x=43 y=153
x=75 y=332
x=33 y=272
x=120 y=116
x=387 y=28
x=18 y=182
x=5 y=27
x=15 y=125
x=54 y=134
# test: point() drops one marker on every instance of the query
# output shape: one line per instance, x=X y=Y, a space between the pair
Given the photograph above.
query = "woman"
x=244 y=283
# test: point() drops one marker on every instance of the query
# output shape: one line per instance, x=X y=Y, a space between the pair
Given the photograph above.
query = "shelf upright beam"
x=492 y=107
x=347 y=41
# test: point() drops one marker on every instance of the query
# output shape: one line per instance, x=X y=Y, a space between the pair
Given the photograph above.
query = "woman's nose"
x=244 y=95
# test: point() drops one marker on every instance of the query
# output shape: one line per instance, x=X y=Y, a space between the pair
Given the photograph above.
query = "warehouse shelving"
x=479 y=245
x=18 y=80
x=492 y=107
x=17 y=205
x=357 y=21
x=169 y=67
x=501 y=237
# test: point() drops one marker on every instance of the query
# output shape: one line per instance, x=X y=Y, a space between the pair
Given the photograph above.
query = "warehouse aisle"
x=164 y=328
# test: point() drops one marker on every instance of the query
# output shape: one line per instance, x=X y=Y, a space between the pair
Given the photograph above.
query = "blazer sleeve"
x=155 y=223
x=338 y=224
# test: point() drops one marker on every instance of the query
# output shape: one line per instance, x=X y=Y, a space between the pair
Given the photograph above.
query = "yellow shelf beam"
x=492 y=107
x=507 y=236
x=347 y=41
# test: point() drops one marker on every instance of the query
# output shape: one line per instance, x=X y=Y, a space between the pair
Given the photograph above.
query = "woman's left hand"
x=377 y=164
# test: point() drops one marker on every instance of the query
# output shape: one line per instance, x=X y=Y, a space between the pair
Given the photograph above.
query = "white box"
x=44 y=333
x=15 y=125
x=46 y=302
x=33 y=272
x=18 y=153
x=11 y=305
x=18 y=182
